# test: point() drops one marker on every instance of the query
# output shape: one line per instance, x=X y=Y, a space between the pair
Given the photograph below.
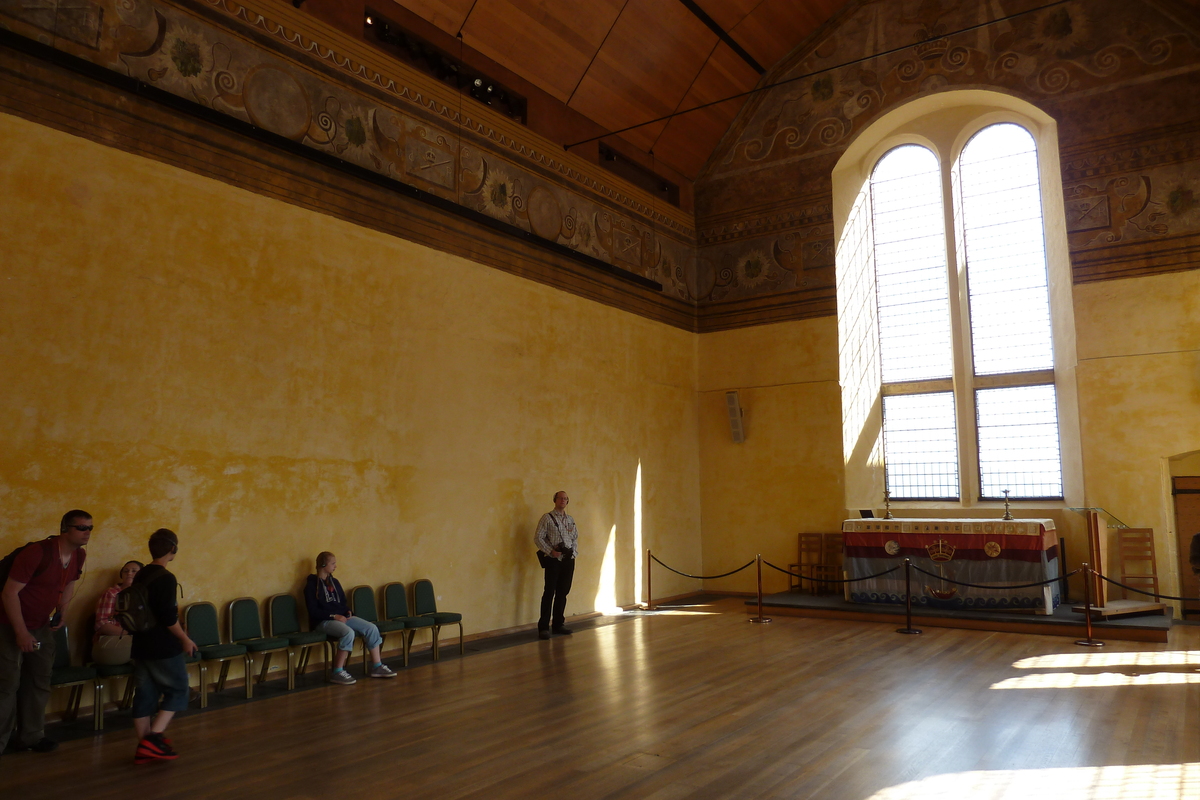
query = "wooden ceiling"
x=624 y=62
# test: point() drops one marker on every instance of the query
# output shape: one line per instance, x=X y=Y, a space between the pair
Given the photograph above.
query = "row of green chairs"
x=247 y=642
x=284 y=634
x=396 y=618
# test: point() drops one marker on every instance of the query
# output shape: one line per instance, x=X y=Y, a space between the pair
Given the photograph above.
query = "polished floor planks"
x=666 y=706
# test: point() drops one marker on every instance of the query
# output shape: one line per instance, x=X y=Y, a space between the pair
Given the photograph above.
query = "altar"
x=991 y=553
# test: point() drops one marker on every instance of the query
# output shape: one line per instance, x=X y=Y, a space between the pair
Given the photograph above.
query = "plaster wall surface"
x=1139 y=397
x=271 y=382
x=787 y=476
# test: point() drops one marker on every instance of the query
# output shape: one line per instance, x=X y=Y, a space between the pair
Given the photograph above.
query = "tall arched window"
x=942 y=260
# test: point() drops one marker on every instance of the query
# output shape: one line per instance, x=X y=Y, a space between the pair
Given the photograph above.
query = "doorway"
x=1186 y=491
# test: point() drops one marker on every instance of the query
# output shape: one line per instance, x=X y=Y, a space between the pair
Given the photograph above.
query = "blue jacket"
x=324 y=601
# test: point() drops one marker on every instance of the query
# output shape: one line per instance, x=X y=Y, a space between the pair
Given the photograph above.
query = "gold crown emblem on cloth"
x=941 y=550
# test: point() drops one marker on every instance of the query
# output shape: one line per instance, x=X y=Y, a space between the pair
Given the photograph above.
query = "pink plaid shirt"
x=107 y=606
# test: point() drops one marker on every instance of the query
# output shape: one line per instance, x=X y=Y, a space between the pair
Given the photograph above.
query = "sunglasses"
x=83 y=527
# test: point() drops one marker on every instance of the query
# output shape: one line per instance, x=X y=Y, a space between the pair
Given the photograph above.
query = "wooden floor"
x=698 y=704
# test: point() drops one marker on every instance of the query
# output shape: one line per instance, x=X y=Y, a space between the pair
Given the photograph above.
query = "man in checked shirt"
x=557 y=541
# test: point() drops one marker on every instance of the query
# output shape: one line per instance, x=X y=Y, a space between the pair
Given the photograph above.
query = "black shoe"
x=43 y=746
x=543 y=634
x=562 y=630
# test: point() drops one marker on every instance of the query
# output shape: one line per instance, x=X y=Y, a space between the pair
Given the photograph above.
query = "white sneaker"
x=343 y=678
x=382 y=671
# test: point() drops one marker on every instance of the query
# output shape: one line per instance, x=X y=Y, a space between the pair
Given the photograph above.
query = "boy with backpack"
x=158 y=650
x=39 y=580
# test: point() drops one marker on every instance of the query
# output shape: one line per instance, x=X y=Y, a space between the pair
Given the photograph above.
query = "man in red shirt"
x=42 y=579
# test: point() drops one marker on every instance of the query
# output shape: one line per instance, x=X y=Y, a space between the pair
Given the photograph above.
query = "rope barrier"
x=831 y=580
x=705 y=577
x=996 y=586
x=1150 y=594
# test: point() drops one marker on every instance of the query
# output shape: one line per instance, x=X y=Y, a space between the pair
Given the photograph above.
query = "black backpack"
x=7 y=562
x=133 y=606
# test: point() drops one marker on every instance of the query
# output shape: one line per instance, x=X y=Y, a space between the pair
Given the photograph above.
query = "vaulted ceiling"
x=624 y=62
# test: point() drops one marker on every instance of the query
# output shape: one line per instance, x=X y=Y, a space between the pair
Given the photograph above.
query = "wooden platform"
x=1064 y=622
x=1123 y=608
x=690 y=703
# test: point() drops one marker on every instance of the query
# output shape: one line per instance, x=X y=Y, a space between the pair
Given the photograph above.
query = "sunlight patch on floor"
x=1075 y=680
x=1170 y=658
x=1135 y=782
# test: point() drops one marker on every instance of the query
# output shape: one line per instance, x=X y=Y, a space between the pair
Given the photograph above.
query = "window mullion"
x=960 y=322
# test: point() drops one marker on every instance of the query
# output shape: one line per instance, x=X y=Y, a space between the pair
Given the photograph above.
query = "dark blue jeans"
x=160 y=676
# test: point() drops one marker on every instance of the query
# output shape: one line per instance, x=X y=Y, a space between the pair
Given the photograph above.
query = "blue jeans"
x=344 y=631
x=160 y=676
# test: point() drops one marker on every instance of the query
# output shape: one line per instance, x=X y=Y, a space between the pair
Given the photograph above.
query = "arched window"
x=915 y=350
x=998 y=199
x=942 y=260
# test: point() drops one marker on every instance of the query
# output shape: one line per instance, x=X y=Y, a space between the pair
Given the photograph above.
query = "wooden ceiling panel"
x=771 y=30
x=689 y=139
x=446 y=14
x=727 y=13
x=646 y=66
x=548 y=42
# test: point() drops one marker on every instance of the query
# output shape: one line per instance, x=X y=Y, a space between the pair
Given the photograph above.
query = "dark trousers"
x=554 y=596
x=24 y=686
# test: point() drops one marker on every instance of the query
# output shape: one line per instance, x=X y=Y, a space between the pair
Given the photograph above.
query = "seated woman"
x=328 y=613
x=110 y=642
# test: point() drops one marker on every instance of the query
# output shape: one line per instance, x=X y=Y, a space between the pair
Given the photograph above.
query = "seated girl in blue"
x=328 y=613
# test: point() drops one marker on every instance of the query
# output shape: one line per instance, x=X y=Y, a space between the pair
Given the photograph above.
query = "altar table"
x=992 y=553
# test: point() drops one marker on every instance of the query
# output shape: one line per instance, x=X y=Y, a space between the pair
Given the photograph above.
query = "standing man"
x=41 y=580
x=159 y=666
x=557 y=542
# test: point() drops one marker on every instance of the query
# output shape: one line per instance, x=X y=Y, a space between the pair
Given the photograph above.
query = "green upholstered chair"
x=63 y=675
x=108 y=675
x=283 y=621
x=245 y=628
x=425 y=605
x=395 y=609
x=362 y=603
x=200 y=621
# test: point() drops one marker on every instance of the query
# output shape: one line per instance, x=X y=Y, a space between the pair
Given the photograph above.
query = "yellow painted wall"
x=270 y=382
x=1139 y=397
x=787 y=476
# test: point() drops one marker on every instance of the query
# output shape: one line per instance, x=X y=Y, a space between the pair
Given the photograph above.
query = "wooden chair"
x=283 y=620
x=809 y=552
x=1139 y=567
x=830 y=568
x=425 y=605
x=64 y=675
x=395 y=609
x=200 y=621
x=245 y=629
x=362 y=603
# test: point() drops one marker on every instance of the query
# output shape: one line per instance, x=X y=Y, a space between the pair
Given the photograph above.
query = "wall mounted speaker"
x=737 y=427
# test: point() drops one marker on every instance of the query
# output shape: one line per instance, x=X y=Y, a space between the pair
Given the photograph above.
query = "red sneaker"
x=154 y=747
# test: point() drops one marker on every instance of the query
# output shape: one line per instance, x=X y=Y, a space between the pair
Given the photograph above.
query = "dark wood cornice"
x=765 y=310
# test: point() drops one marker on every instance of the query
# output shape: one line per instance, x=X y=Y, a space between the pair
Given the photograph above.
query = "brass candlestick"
x=1007 y=513
x=887 y=504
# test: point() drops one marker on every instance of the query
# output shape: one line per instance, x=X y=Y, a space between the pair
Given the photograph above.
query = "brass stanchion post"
x=760 y=619
x=649 y=582
x=908 y=628
x=1087 y=608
